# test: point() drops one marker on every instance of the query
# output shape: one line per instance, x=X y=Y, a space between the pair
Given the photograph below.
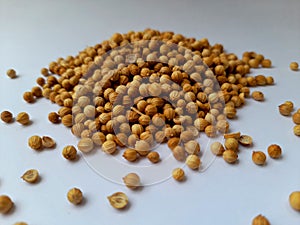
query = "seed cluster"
x=286 y=109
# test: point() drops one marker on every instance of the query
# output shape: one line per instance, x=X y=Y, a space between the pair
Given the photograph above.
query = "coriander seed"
x=245 y=140
x=53 y=117
x=75 y=196
x=217 y=148
x=35 y=142
x=284 y=109
x=179 y=153
x=132 y=180
x=11 y=73
x=258 y=95
x=193 y=162
x=153 y=157
x=69 y=152
x=294 y=200
x=297 y=130
x=118 y=200
x=48 y=142
x=232 y=144
x=28 y=97
x=296 y=118
x=31 y=176
x=130 y=155
x=178 y=174
x=260 y=220
x=85 y=145
x=230 y=156
x=259 y=158
x=274 y=151
x=23 y=118
x=192 y=147
x=6 y=204
x=266 y=63
x=109 y=147
x=294 y=66
x=6 y=116
x=20 y=223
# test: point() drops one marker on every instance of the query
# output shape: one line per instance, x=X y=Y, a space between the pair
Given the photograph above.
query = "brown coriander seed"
x=23 y=118
x=35 y=142
x=20 y=223
x=132 y=180
x=130 y=155
x=294 y=66
x=284 y=109
x=75 y=196
x=266 y=63
x=31 y=176
x=259 y=158
x=231 y=143
x=260 y=220
x=153 y=157
x=37 y=92
x=6 y=204
x=28 y=97
x=274 y=151
x=85 y=145
x=296 y=118
x=245 y=140
x=67 y=120
x=109 y=147
x=53 y=117
x=6 y=116
x=69 y=152
x=294 y=200
x=48 y=142
x=297 y=130
x=210 y=131
x=44 y=72
x=178 y=174
x=193 y=162
x=118 y=200
x=258 y=95
x=235 y=135
x=11 y=73
x=173 y=142
x=217 y=148
x=230 y=156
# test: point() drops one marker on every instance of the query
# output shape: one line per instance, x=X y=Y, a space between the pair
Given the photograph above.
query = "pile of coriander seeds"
x=139 y=89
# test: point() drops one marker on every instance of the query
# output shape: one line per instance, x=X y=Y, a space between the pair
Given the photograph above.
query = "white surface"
x=33 y=33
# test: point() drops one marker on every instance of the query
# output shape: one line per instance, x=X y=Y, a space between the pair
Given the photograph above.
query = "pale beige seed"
x=31 y=176
x=6 y=204
x=118 y=200
x=48 y=142
x=35 y=142
x=178 y=174
x=179 y=153
x=75 y=196
x=142 y=147
x=245 y=140
x=192 y=147
x=294 y=200
x=217 y=148
x=260 y=220
x=69 y=152
x=23 y=118
x=132 y=180
x=85 y=145
x=109 y=147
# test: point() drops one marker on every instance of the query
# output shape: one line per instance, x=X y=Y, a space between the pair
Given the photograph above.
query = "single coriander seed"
x=31 y=176
x=274 y=151
x=217 y=148
x=132 y=180
x=296 y=118
x=35 y=142
x=178 y=174
x=258 y=95
x=193 y=162
x=130 y=154
x=20 y=223
x=297 y=130
x=69 y=152
x=86 y=145
x=259 y=158
x=75 y=196
x=28 y=97
x=230 y=156
x=153 y=157
x=11 y=73
x=23 y=118
x=294 y=200
x=6 y=116
x=53 y=117
x=118 y=200
x=5 y=204
x=294 y=66
x=245 y=140
x=260 y=220
x=48 y=142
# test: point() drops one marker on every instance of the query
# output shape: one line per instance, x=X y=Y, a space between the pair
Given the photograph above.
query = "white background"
x=33 y=33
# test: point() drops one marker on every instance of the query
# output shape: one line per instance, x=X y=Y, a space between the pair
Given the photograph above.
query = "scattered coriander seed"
x=258 y=95
x=86 y=145
x=296 y=118
x=193 y=162
x=142 y=147
x=245 y=140
x=69 y=152
x=297 y=130
x=48 y=142
x=35 y=142
x=294 y=200
x=217 y=148
x=31 y=176
x=173 y=142
x=274 y=151
x=53 y=117
x=130 y=154
x=179 y=153
x=118 y=200
x=23 y=118
x=75 y=196
x=259 y=158
x=260 y=220
x=6 y=116
x=28 y=97
x=232 y=144
x=6 y=204
x=294 y=66
x=178 y=174
x=230 y=156
x=285 y=109
x=266 y=63
x=37 y=92
x=192 y=147
x=290 y=104
x=45 y=72
x=11 y=73
x=20 y=223
x=132 y=180
x=67 y=120
x=153 y=157
x=109 y=147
